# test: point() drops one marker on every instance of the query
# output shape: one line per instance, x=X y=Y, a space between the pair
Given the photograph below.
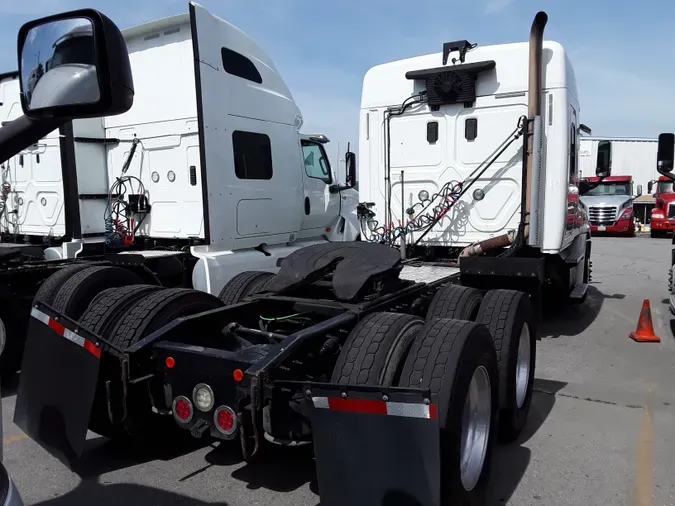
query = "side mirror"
x=350 y=162
x=604 y=166
x=585 y=129
x=639 y=190
x=650 y=186
x=665 y=154
x=74 y=65
x=350 y=165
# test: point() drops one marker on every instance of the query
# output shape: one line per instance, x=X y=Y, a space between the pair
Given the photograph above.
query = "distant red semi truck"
x=663 y=214
x=610 y=204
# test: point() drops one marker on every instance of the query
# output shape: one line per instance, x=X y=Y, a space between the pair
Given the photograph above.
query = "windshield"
x=609 y=189
x=74 y=50
x=665 y=187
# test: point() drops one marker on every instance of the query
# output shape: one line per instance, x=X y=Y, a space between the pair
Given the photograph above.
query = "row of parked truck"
x=212 y=273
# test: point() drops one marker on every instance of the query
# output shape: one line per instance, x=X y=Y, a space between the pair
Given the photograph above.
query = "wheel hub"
x=476 y=419
x=523 y=366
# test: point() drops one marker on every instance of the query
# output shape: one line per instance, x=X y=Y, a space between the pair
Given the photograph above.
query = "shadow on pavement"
x=103 y=456
x=510 y=462
x=280 y=469
x=10 y=386
x=573 y=320
x=90 y=493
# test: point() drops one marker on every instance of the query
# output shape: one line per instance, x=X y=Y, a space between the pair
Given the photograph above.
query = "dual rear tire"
x=480 y=373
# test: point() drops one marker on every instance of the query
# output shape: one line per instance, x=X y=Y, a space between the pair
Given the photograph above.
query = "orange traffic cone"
x=645 y=330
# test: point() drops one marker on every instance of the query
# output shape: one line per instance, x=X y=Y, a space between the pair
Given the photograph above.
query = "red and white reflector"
x=64 y=332
x=182 y=409
x=404 y=409
x=225 y=420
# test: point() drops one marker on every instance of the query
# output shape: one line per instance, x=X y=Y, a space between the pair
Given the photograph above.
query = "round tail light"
x=202 y=396
x=226 y=420
x=182 y=409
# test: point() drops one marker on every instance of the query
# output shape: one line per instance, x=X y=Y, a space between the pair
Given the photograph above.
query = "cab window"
x=316 y=162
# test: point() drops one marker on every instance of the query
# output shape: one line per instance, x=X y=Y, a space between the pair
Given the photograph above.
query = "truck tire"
x=80 y=289
x=244 y=284
x=110 y=305
x=509 y=316
x=375 y=349
x=100 y=317
x=455 y=302
x=51 y=286
x=149 y=314
x=456 y=360
x=15 y=327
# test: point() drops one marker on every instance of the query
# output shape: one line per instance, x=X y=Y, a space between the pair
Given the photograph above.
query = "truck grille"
x=671 y=211
x=602 y=215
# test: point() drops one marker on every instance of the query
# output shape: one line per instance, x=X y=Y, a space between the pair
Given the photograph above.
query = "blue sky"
x=622 y=53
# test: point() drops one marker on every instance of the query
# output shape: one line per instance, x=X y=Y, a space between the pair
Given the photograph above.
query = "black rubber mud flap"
x=371 y=451
x=57 y=385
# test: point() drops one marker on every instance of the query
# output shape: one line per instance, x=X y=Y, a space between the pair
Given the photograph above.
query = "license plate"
x=602 y=228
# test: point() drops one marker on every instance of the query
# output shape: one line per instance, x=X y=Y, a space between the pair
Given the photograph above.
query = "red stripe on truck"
x=65 y=333
x=404 y=409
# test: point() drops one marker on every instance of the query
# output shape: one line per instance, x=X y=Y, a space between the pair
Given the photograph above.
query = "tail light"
x=225 y=420
x=182 y=409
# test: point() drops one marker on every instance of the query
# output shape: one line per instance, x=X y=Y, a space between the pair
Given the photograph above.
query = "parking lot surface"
x=600 y=430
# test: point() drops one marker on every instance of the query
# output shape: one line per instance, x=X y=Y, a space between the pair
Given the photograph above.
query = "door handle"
x=307 y=205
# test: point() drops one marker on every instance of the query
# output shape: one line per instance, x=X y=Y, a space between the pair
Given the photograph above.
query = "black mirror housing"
x=350 y=160
x=665 y=154
x=603 y=167
x=650 y=186
x=350 y=164
x=105 y=53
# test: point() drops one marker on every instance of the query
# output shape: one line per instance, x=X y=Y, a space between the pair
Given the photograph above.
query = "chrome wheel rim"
x=475 y=428
x=523 y=366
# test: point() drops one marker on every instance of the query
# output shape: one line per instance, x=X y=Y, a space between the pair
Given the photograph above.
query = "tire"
x=375 y=349
x=244 y=284
x=100 y=317
x=455 y=302
x=149 y=314
x=656 y=234
x=444 y=358
x=51 y=286
x=77 y=292
x=507 y=313
x=109 y=306
x=16 y=327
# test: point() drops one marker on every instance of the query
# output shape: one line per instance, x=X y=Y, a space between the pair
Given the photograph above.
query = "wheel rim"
x=476 y=419
x=523 y=366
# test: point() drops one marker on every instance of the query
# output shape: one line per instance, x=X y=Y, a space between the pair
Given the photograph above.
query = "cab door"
x=320 y=206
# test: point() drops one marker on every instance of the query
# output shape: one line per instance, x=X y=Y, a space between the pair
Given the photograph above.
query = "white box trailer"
x=630 y=156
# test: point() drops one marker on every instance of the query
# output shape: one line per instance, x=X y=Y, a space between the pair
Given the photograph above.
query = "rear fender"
x=375 y=446
x=58 y=383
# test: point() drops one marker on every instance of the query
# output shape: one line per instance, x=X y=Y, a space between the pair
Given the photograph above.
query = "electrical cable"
x=449 y=194
x=119 y=227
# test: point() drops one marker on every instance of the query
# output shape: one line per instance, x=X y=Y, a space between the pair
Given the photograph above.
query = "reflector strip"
x=405 y=409
x=64 y=332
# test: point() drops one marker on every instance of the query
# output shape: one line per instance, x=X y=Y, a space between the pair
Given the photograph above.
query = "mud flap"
x=57 y=385
x=376 y=450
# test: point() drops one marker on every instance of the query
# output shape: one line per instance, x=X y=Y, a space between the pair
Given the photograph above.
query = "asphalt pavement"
x=600 y=429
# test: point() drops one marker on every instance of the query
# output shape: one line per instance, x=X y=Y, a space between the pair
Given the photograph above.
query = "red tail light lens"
x=226 y=420
x=182 y=409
